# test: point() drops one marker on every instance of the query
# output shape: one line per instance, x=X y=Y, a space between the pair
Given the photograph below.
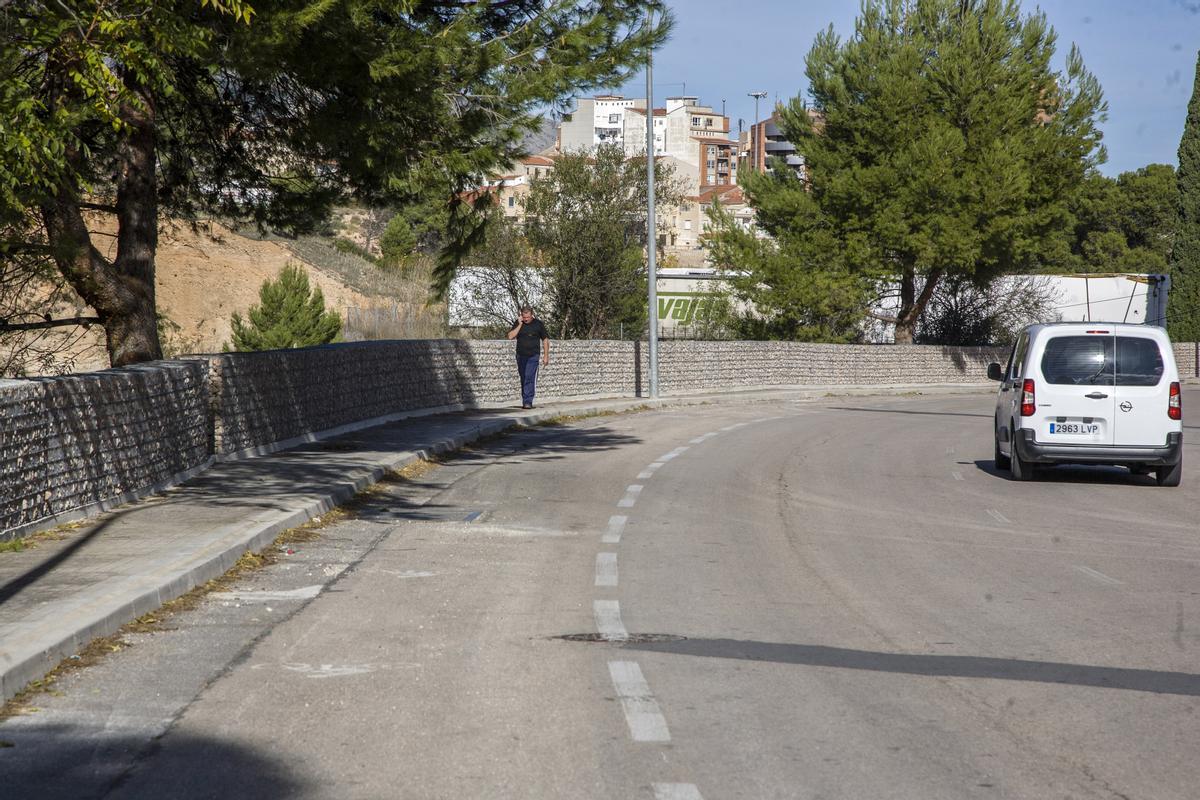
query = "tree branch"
x=7 y=326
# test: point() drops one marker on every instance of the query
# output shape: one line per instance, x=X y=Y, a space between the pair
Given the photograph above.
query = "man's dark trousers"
x=527 y=366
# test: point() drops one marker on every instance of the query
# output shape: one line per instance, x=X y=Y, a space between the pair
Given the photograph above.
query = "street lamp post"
x=651 y=227
x=757 y=135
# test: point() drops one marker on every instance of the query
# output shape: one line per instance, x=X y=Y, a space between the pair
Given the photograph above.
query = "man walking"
x=529 y=333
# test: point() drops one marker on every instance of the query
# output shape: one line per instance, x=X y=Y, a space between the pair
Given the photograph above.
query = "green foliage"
x=290 y=315
x=587 y=217
x=352 y=248
x=1123 y=225
x=398 y=241
x=1184 y=312
x=824 y=302
x=273 y=114
x=941 y=143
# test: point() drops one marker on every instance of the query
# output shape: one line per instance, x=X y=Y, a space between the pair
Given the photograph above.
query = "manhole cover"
x=633 y=638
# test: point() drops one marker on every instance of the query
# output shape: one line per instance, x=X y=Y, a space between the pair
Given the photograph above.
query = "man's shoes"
x=526 y=405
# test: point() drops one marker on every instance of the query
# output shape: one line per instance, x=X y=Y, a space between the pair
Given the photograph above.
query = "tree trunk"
x=912 y=304
x=121 y=291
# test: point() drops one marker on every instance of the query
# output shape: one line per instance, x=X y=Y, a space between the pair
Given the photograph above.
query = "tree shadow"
x=1011 y=669
x=15 y=586
x=63 y=763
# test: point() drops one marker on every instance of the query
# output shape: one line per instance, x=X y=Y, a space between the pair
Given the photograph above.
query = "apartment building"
x=765 y=141
x=597 y=120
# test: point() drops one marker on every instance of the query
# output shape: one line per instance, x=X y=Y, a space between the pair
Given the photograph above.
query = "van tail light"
x=1175 y=403
x=1028 y=405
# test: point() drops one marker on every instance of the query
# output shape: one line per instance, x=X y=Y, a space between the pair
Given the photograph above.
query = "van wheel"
x=1169 y=476
x=1001 y=460
x=1021 y=469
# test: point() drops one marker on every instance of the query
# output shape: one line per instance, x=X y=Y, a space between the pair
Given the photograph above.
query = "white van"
x=1090 y=393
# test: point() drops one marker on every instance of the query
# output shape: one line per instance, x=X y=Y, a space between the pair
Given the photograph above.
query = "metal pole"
x=756 y=133
x=651 y=228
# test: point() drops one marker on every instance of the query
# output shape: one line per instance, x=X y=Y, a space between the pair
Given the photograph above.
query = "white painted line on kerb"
x=606 y=569
x=645 y=720
x=608 y=620
x=616 y=526
x=956 y=475
x=676 y=791
x=996 y=515
x=1097 y=575
x=631 y=495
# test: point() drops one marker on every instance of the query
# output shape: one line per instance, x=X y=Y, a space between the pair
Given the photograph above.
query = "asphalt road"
x=833 y=599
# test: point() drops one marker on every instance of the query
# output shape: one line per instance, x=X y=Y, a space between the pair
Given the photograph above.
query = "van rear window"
x=1089 y=361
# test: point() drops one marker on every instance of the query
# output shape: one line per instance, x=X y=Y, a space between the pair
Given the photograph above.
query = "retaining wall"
x=85 y=442
x=73 y=445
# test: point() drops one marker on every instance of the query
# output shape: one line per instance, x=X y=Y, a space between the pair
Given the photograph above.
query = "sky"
x=1142 y=51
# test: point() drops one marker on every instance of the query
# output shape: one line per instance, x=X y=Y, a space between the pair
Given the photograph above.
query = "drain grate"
x=633 y=638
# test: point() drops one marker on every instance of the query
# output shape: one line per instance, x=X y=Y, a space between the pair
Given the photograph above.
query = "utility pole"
x=756 y=134
x=651 y=227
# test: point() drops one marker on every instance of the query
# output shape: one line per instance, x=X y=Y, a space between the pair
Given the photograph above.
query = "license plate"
x=1074 y=428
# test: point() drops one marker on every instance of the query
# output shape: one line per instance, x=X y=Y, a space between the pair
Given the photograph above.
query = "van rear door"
x=1076 y=399
x=1142 y=389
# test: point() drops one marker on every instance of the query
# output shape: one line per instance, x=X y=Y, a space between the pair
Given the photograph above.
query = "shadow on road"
x=907 y=411
x=1073 y=473
x=60 y=762
x=1011 y=669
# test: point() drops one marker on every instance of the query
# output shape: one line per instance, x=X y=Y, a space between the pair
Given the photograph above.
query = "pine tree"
x=1184 y=311
x=941 y=144
x=291 y=315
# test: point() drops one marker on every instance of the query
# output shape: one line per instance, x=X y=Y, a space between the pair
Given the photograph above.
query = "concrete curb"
x=135 y=596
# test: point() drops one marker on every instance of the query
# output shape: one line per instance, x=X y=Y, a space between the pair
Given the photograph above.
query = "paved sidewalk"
x=61 y=594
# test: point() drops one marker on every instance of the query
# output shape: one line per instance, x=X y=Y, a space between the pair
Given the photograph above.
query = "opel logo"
x=1126 y=406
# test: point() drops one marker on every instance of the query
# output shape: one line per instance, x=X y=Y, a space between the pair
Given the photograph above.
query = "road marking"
x=631 y=495
x=678 y=451
x=616 y=526
x=642 y=715
x=1097 y=575
x=676 y=791
x=267 y=596
x=956 y=475
x=644 y=474
x=606 y=569
x=608 y=620
x=996 y=515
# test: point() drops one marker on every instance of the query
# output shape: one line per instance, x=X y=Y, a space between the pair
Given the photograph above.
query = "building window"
x=687 y=224
x=512 y=201
x=695 y=122
x=613 y=119
x=708 y=122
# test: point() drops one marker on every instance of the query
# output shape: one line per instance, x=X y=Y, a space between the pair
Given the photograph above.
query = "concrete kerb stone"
x=106 y=614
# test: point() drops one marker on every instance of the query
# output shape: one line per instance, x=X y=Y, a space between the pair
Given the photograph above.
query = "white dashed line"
x=678 y=451
x=645 y=720
x=996 y=515
x=644 y=474
x=956 y=475
x=631 y=495
x=616 y=526
x=697 y=440
x=606 y=569
x=1097 y=575
x=608 y=620
x=676 y=791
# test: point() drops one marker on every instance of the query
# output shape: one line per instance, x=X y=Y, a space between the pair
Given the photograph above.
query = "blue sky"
x=1142 y=51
